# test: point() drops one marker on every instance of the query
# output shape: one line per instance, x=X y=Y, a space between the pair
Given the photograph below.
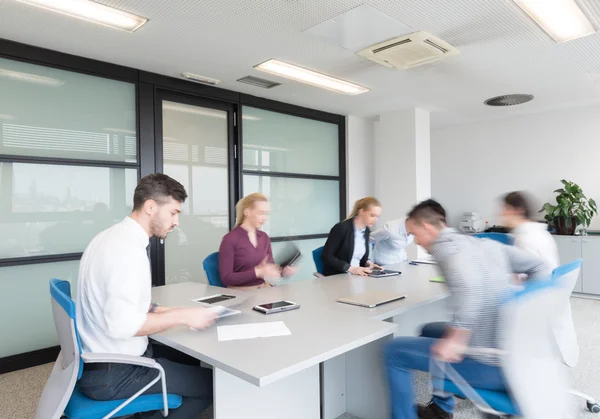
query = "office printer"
x=472 y=223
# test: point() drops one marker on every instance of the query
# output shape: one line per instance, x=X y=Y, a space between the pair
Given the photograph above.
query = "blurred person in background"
x=535 y=238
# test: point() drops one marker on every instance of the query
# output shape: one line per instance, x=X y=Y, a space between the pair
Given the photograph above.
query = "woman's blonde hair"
x=364 y=204
x=245 y=203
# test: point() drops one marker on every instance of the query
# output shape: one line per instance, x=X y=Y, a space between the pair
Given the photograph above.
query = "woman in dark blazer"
x=347 y=247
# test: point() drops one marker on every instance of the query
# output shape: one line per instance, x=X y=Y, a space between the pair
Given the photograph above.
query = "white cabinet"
x=591 y=264
x=569 y=249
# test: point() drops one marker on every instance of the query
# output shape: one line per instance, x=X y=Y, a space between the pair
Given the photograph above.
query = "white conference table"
x=331 y=362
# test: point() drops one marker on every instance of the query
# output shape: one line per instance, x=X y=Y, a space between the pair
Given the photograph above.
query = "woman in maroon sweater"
x=245 y=255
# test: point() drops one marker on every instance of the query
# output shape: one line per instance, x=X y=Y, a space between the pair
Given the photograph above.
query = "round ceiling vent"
x=508 y=100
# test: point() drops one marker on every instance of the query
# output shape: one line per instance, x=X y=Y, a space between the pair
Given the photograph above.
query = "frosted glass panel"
x=51 y=209
x=277 y=142
x=56 y=113
x=298 y=206
x=306 y=265
x=27 y=323
x=195 y=154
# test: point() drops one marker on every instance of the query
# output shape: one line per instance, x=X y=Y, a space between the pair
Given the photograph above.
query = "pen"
x=413 y=263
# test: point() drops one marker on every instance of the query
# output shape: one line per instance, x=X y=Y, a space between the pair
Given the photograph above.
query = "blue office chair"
x=499 y=237
x=317 y=253
x=211 y=267
x=61 y=396
x=532 y=370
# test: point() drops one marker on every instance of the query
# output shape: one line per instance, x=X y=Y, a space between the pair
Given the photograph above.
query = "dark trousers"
x=184 y=376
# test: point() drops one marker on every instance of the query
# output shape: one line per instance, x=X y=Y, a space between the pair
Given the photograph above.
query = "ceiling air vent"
x=409 y=51
x=258 y=82
x=508 y=100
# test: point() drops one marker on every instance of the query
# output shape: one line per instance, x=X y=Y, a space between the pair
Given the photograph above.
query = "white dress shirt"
x=360 y=247
x=114 y=290
x=535 y=238
x=390 y=243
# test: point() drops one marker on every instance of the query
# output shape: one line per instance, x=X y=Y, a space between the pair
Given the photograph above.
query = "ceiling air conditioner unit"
x=409 y=51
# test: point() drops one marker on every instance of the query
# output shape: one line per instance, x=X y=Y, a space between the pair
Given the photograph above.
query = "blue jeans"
x=184 y=376
x=413 y=353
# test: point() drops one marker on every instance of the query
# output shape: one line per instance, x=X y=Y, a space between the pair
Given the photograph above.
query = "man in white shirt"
x=534 y=237
x=115 y=313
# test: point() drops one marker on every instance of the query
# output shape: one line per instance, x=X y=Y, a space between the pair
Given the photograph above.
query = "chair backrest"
x=533 y=365
x=317 y=258
x=211 y=267
x=69 y=365
x=499 y=237
x=569 y=272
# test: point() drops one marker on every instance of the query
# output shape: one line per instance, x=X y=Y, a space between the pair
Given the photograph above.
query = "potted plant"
x=572 y=208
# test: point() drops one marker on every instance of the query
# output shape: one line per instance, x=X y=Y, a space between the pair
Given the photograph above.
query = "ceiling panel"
x=502 y=51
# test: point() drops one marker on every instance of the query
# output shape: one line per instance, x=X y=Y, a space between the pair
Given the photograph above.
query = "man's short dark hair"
x=518 y=201
x=158 y=187
x=428 y=211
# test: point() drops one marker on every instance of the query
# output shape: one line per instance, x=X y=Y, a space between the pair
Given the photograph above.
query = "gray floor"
x=20 y=390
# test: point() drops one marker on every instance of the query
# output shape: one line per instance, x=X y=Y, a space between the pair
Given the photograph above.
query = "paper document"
x=252 y=330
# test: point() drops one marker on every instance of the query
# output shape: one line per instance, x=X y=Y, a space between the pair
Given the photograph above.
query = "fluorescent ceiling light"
x=30 y=78
x=92 y=12
x=563 y=20
x=303 y=75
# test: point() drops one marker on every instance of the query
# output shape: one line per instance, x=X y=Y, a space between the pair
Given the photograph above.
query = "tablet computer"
x=381 y=273
x=289 y=255
x=213 y=299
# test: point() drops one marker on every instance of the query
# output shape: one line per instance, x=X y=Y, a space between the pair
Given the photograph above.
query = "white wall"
x=473 y=165
x=360 y=171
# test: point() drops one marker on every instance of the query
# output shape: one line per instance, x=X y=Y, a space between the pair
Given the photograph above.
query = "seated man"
x=479 y=275
x=115 y=314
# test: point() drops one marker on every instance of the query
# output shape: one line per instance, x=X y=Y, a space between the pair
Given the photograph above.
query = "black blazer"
x=339 y=248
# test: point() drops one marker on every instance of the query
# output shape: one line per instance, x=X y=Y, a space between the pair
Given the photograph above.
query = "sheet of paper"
x=252 y=331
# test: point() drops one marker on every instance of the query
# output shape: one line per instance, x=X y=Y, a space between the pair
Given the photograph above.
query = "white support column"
x=402 y=163
x=360 y=171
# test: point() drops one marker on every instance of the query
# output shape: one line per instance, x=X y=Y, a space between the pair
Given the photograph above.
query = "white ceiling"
x=502 y=51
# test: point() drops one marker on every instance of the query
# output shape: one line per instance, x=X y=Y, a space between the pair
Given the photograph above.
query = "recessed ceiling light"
x=201 y=79
x=303 y=75
x=30 y=78
x=563 y=20
x=92 y=12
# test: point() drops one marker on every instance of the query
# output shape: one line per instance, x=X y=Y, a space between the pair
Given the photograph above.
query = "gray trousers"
x=184 y=375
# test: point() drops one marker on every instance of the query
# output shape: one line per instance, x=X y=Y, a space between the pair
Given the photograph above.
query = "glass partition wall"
x=77 y=134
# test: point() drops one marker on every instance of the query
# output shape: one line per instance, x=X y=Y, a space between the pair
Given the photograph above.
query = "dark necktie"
x=148 y=253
